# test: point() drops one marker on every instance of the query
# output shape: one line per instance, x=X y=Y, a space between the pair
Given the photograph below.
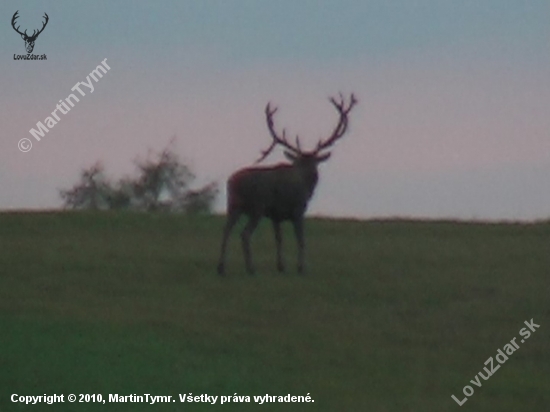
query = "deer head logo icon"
x=29 y=40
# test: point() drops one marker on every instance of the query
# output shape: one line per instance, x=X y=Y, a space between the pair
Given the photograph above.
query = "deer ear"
x=23 y=36
x=323 y=157
x=290 y=156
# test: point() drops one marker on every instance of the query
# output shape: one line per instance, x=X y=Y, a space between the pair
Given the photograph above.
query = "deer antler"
x=43 y=26
x=342 y=125
x=34 y=33
x=13 y=19
x=269 y=112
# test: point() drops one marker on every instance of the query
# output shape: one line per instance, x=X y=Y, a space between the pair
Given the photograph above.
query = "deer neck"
x=310 y=177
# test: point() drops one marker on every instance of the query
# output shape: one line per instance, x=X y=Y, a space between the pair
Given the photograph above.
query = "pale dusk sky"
x=453 y=119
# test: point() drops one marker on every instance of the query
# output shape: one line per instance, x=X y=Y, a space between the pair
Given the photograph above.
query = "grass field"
x=391 y=316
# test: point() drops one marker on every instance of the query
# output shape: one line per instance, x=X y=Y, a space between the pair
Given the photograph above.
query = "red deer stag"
x=280 y=192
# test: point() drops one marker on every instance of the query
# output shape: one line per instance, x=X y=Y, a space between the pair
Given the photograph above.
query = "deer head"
x=294 y=152
x=29 y=40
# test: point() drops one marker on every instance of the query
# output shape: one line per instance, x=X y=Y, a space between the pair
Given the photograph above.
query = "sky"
x=453 y=119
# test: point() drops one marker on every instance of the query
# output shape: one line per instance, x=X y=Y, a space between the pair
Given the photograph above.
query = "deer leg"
x=299 y=232
x=245 y=237
x=232 y=218
x=278 y=241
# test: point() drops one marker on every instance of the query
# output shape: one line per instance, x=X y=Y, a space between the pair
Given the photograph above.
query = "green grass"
x=391 y=316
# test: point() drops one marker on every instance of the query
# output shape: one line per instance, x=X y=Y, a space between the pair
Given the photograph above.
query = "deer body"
x=280 y=192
